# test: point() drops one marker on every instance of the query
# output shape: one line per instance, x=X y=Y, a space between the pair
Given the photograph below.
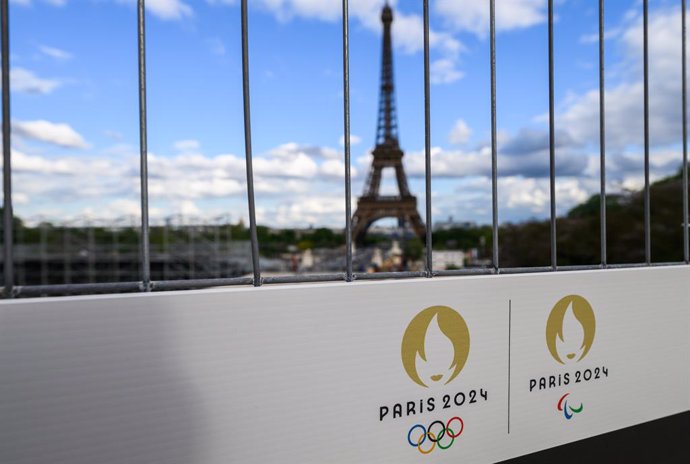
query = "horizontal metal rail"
x=29 y=291
x=77 y=289
x=307 y=278
x=198 y=284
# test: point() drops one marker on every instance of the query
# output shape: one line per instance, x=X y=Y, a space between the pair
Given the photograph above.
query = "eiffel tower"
x=372 y=206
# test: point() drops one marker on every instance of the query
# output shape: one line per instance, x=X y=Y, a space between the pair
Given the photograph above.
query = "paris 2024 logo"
x=422 y=365
x=570 y=331
x=434 y=350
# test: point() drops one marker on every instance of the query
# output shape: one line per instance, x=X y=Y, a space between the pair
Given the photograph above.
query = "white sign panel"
x=472 y=369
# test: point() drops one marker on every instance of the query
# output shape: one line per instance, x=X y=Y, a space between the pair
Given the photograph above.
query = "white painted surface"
x=297 y=374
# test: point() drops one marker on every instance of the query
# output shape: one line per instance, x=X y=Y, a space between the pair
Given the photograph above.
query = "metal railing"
x=145 y=284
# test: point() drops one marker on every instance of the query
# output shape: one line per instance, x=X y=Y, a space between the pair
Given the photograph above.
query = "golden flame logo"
x=570 y=329
x=452 y=327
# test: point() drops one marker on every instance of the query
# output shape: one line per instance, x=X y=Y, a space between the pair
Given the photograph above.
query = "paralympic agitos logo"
x=570 y=331
x=568 y=411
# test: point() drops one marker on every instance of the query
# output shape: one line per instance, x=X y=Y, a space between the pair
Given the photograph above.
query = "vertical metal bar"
x=116 y=254
x=248 y=146
x=166 y=249
x=67 y=249
x=427 y=142
x=552 y=144
x=647 y=202
x=686 y=223
x=20 y=257
x=216 y=248
x=347 y=142
x=228 y=243
x=602 y=138
x=91 y=256
x=8 y=245
x=44 y=253
x=494 y=137
x=191 y=256
x=143 y=151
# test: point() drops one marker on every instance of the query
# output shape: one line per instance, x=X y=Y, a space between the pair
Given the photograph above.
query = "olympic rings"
x=435 y=438
x=452 y=440
x=440 y=435
x=421 y=440
x=462 y=426
x=422 y=437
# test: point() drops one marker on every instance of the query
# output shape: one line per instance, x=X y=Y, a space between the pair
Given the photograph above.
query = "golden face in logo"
x=570 y=329
x=450 y=331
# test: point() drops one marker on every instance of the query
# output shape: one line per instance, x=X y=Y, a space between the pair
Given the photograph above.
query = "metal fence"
x=88 y=250
x=145 y=284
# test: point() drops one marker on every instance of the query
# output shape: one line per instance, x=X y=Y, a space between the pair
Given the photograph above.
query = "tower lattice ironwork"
x=372 y=206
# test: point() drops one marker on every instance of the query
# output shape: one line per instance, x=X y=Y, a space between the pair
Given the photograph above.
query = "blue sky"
x=75 y=126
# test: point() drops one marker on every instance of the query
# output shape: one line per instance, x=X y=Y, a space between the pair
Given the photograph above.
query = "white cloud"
x=577 y=121
x=25 y=81
x=519 y=198
x=408 y=29
x=192 y=177
x=188 y=208
x=187 y=146
x=533 y=195
x=290 y=150
x=473 y=15
x=189 y=175
x=108 y=182
x=124 y=207
x=49 y=2
x=297 y=164
x=216 y=46
x=594 y=38
x=169 y=9
x=524 y=154
x=444 y=71
x=59 y=134
x=523 y=157
x=115 y=135
x=55 y=53
x=460 y=134
x=36 y=164
x=295 y=183
x=20 y=199
x=166 y=9
x=335 y=169
x=304 y=210
x=624 y=100
x=354 y=140
x=284 y=10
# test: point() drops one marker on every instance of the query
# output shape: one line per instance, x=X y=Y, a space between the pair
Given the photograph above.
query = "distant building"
x=307 y=260
x=377 y=258
x=451 y=224
x=448 y=259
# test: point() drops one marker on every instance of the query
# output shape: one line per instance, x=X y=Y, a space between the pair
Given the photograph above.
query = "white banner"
x=471 y=369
